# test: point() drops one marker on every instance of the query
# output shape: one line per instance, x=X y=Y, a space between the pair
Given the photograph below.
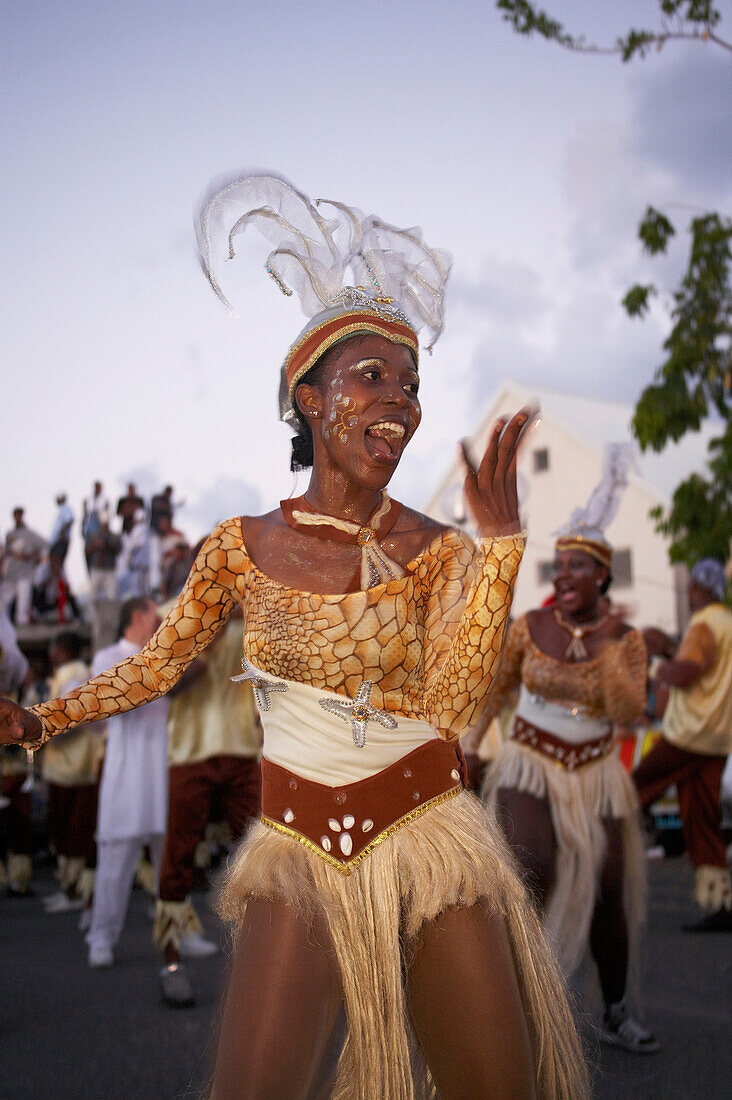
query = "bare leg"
x=527 y=825
x=281 y=1009
x=466 y=1008
x=609 y=930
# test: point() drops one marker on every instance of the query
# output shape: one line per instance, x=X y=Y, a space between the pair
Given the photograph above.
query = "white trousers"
x=21 y=590
x=103 y=583
x=116 y=864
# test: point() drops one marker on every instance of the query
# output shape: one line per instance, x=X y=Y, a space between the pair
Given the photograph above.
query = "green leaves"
x=680 y=19
x=636 y=300
x=692 y=382
x=655 y=231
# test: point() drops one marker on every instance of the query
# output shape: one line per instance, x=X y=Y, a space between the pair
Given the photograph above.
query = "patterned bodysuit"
x=428 y=642
x=611 y=685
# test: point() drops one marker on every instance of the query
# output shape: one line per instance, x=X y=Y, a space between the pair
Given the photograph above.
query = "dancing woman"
x=385 y=947
x=566 y=804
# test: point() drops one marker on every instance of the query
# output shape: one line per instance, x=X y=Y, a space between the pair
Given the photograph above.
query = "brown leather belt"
x=570 y=755
x=343 y=824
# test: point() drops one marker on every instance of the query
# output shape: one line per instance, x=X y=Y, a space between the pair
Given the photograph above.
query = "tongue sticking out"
x=382 y=445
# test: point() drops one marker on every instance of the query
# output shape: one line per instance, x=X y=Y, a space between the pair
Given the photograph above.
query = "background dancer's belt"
x=570 y=754
x=344 y=824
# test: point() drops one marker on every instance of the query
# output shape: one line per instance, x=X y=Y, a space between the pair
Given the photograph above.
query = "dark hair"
x=72 y=644
x=302 y=441
x=128 y=609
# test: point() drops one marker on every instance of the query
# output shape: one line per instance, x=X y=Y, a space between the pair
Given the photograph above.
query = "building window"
x=545 y=570
x=541 y=460
x=622 y=569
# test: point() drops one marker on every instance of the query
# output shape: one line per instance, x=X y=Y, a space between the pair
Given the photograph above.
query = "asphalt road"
x=71 y=1033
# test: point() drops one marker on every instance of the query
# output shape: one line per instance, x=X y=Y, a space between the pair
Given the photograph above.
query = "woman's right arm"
x=204 y=605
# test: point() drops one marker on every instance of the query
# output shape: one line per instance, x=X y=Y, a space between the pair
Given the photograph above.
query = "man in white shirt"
x=133 y=798
x=23 y=552
x=61 y=531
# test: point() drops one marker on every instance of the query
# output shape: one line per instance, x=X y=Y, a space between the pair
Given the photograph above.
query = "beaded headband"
x=600 y=551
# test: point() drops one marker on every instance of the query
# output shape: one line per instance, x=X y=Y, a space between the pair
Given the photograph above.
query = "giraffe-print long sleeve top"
x=428 y=642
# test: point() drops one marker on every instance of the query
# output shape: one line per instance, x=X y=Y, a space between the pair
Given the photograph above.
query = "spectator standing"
x=16 y=867
x=23 y=552
x=214 y=741
x=53 y=600
x=96 y=507
x=133 y=567
x=70 y=766
x=176 y=567
x=697 y=738
x=127 y=506
x=102 y=550
x=133 y=798
x=161 y=506
x=61 y=530
x=161 y=528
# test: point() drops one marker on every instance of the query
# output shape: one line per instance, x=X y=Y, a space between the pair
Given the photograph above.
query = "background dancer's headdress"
x=398 y=281
x=586 y=527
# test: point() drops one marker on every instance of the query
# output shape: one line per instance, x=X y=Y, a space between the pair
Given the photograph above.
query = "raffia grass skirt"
x=578 y=802
x=453 y=855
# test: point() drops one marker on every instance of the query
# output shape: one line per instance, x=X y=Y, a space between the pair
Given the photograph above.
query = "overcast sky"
x=531 y=165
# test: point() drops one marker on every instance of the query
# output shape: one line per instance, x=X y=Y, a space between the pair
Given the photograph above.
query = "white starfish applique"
x=359 y=712
x=261 y=686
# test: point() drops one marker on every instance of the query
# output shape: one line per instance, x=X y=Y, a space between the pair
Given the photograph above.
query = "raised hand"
x=490 y=491
x=18 y=725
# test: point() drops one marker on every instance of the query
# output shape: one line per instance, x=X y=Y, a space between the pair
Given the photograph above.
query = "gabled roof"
x=595 y=423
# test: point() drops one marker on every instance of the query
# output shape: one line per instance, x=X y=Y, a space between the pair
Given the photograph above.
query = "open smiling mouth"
x=384 y=440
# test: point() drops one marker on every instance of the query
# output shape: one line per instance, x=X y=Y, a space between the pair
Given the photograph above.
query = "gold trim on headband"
x=371 y=325
x=602 y=552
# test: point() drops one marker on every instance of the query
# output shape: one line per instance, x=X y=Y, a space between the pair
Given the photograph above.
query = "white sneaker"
x=100 y=955
x=62 y=903
x=196 y=946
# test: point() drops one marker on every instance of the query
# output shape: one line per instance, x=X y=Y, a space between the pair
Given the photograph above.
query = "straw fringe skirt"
x=578 y=801
x=451 y=856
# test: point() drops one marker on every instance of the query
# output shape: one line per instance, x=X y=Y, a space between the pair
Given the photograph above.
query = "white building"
x=560 y=465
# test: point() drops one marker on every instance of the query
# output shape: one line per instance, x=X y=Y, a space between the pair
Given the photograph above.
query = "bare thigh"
x=526 y=822
x=281 y=1010
x=466 y=1009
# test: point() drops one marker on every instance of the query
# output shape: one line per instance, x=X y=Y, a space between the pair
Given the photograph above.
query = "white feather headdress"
x=346 y=261
x=590 y=522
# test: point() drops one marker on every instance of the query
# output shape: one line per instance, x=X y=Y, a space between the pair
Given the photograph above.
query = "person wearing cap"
x=696 y=740
x=564 y=800
x=376 y=907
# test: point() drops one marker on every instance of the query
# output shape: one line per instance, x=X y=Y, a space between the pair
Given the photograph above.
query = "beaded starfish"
x=260 y=686
x=359 y=712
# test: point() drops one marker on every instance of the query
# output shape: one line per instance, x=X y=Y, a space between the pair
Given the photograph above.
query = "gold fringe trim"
x=20 y=870
x=351 y=865
x=174 y=920
x=713 y=887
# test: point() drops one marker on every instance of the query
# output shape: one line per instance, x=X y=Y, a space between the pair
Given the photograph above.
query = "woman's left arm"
x=623 y=674
x=464 y=636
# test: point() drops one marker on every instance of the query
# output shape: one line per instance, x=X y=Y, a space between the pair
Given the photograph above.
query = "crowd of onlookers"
x=132 y=550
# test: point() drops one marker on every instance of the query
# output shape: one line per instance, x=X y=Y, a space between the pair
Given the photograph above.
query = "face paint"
x=343 y=407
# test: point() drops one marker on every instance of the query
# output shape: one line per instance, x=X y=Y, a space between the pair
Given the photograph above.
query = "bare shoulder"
x=258 y=532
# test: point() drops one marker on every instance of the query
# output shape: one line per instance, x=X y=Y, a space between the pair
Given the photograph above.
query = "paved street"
x=70 y=1033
